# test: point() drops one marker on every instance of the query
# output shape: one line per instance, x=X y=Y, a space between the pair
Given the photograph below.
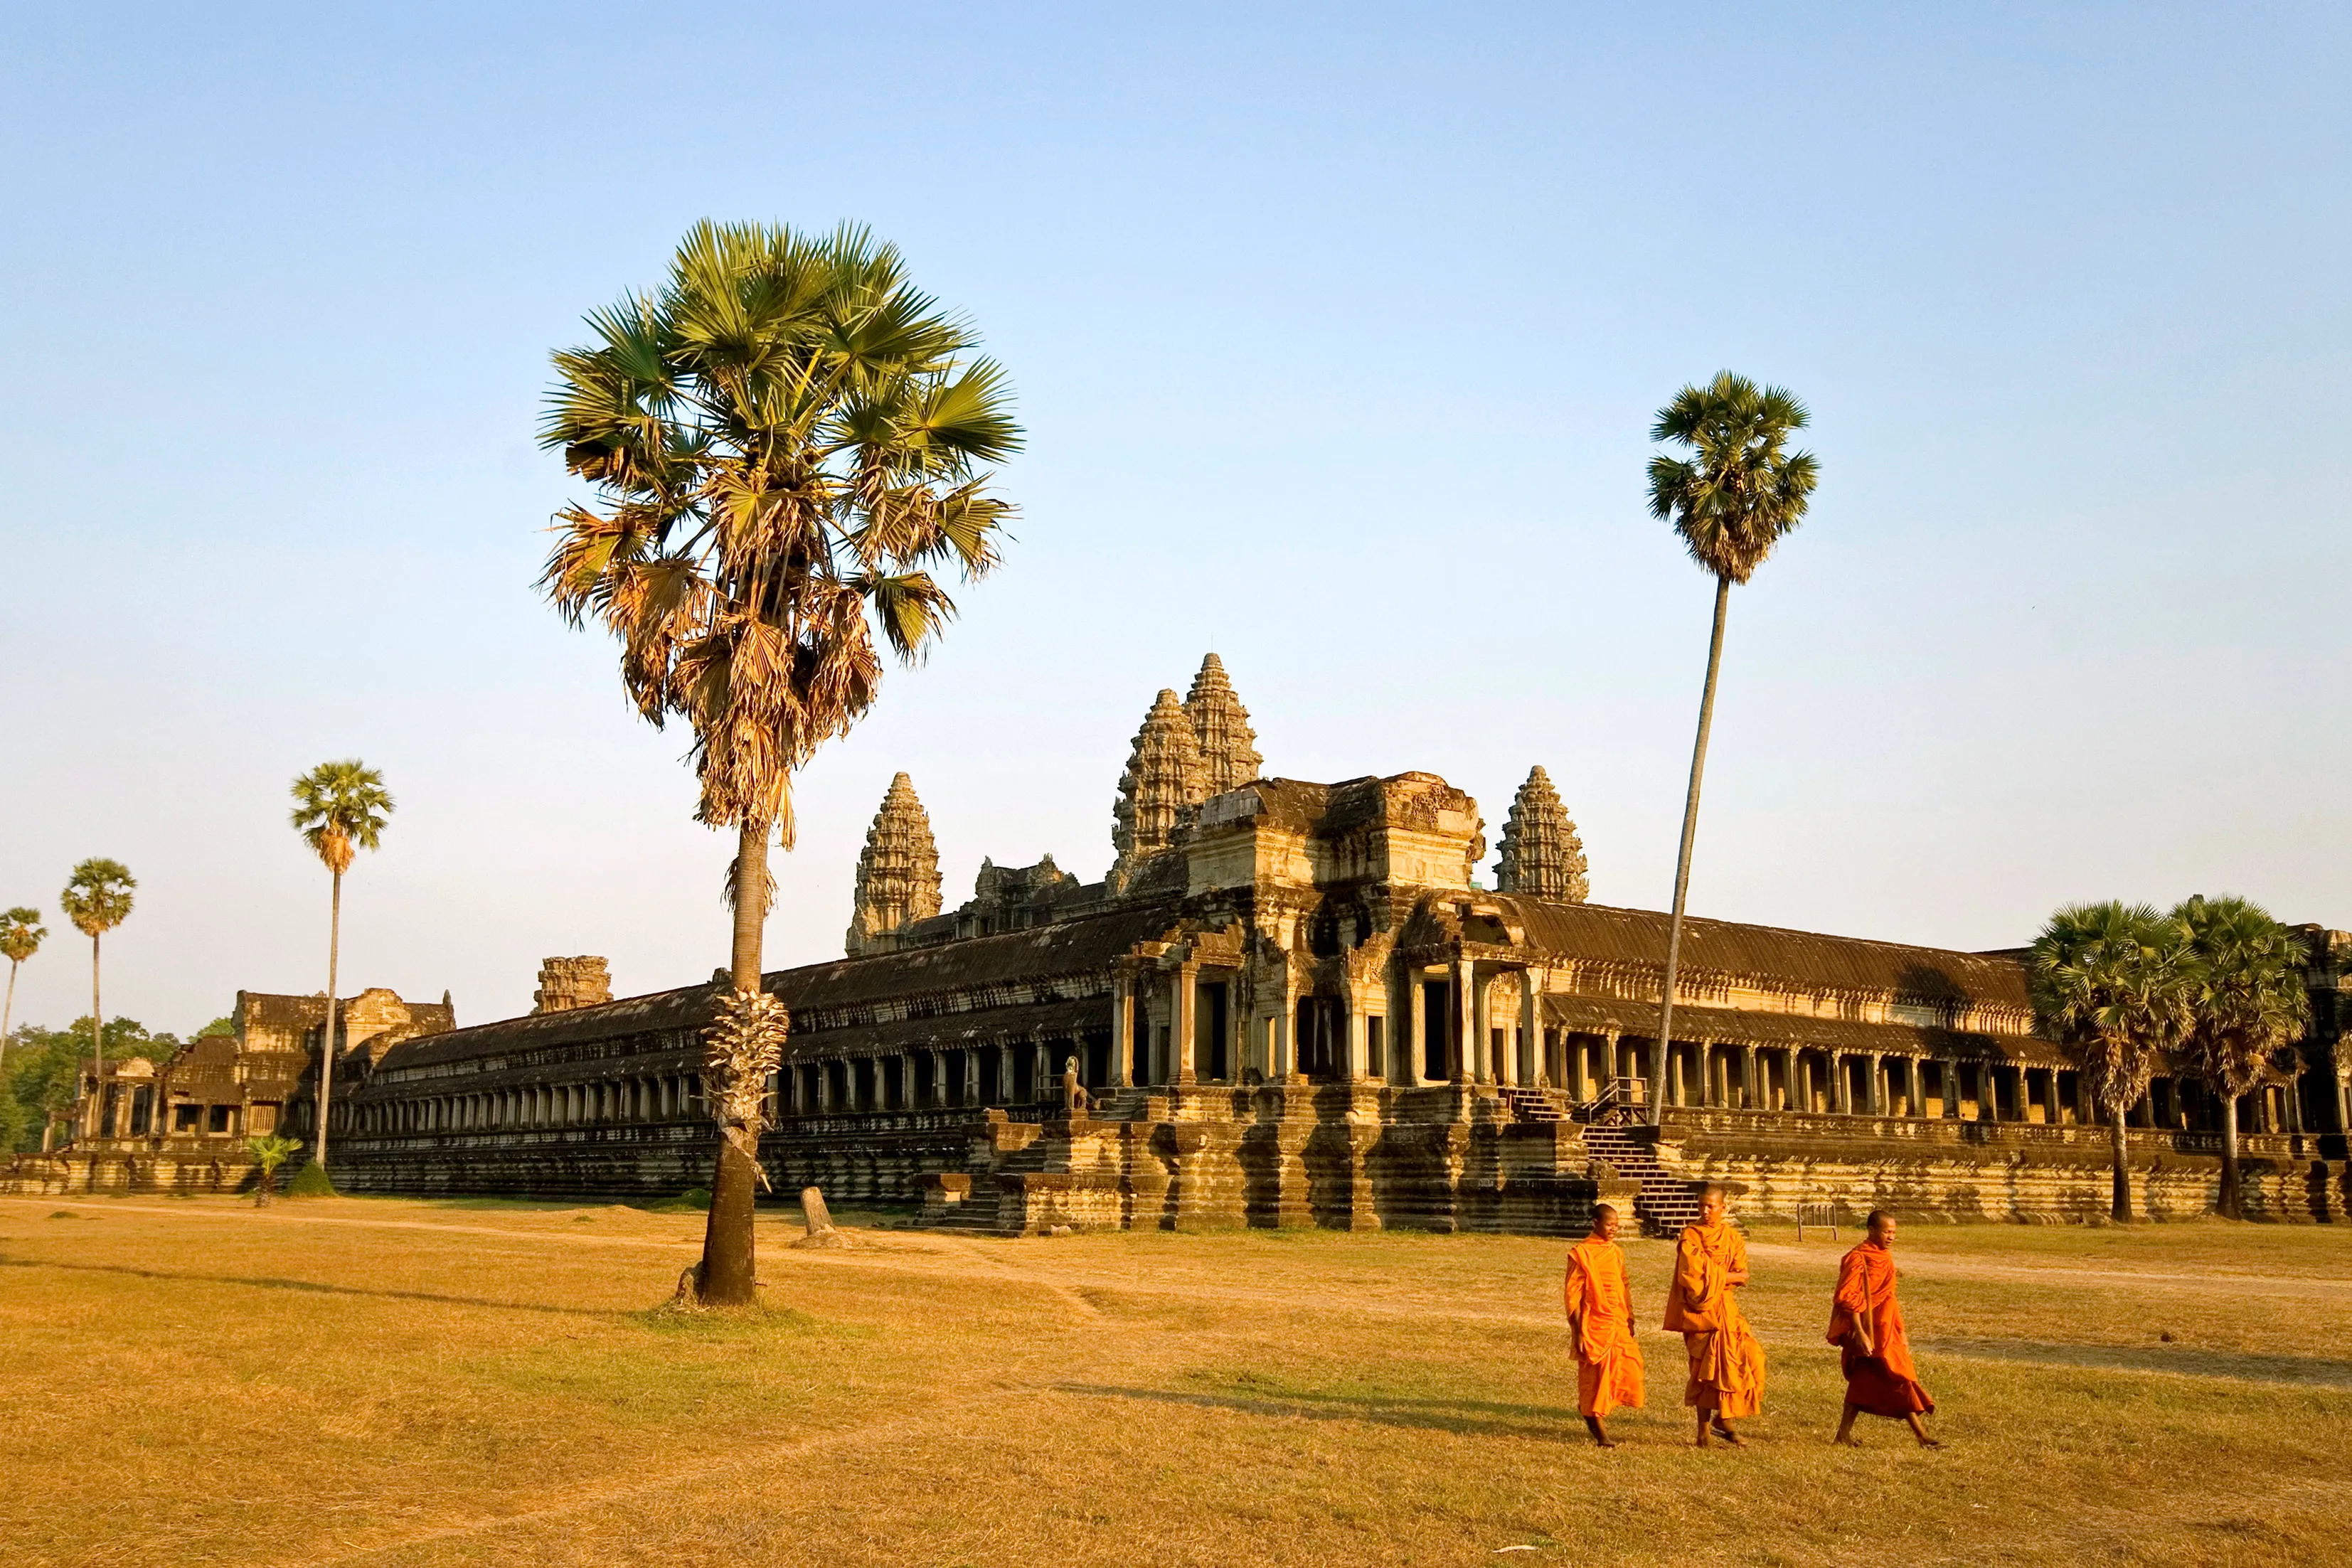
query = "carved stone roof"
x=1221 y=725
x=1542 y=855
x=897 y=873
x=1161 y=789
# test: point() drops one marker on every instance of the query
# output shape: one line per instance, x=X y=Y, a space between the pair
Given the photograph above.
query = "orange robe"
x=1608 y=1362
x=1887 y=1381
x=1727 y=1365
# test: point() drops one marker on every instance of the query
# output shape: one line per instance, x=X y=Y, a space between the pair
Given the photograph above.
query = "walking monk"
x=1601 y=1324
x=1727 y=1365
x=1867 y=1323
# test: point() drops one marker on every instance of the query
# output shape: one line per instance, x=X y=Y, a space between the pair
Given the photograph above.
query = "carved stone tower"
x=1542 y=857
x=565 y=984
x=1229 y=757
x=898 y=875
x=1160 y=789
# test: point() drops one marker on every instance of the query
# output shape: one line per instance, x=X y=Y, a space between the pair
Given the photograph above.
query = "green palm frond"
x=1740 y=491
x=2251 y=1002
x=98 y=895
x=2115 y=983
x=783 y=439
x=340 y=806
x=21 y=933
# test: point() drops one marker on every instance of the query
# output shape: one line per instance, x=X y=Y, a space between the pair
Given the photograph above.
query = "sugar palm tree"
x=97 y=899
x=782 y=439
x=20 y=938
x=1738 y=493
x=2116 y=983
x=340 y=809
x=2251 y=1005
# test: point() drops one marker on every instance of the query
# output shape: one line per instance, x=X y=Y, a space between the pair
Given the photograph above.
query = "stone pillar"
x=1482 y=1028
x=1751 y=1084
x=1465 y=1021
x=1122 y=1028
x=1185 y=981
x=1531 y=1033
x=1359 y=1061
x=1876 y=1066
x=1988 y=1092
x=1419 y=1012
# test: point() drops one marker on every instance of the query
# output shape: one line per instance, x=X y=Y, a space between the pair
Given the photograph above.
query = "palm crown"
x=784 y=438
x=2250 y=998
x=340 y=808
x=96 y=896
x=20 y=934
x=1741 y=490
x=2116 y=982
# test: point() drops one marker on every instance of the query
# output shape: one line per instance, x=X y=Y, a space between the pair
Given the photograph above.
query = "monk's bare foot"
x=1929 y=1443
x=1730 y=1436
x=1845 y=1441
x=1599 y=1433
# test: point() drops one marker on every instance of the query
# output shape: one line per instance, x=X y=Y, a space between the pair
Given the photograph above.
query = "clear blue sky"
x=1337 y=332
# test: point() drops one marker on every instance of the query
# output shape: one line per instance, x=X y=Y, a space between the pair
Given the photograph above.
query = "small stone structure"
x=565 y=984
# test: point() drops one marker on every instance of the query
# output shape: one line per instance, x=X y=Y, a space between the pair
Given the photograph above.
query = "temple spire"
x=1162 y=785
x=898 y=875
x=1229 y=757
x=1541 y=857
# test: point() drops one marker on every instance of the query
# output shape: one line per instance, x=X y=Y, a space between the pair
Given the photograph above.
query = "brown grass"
x=397 y=1383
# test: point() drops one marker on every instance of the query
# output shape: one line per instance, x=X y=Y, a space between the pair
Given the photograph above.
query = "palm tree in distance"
x=340 y=809
x=2251 y=1004
x=784 y=438
x=1737 y=494
x=97 y=899
x=20 y=938
x=2116 y=983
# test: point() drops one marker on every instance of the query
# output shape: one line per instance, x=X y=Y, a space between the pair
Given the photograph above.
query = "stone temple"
x=1292 y=1003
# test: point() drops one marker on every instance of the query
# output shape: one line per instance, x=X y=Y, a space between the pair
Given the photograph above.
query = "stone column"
x=1359 y=1061
x=1464 y=1023
x=1751 y=1082
x=1185 y=981
x=1876 y=1066
x=1531 y=1033
x=1417 y=1009
x=1988 y=1092
x=1482 y=1028
x=1122 y=1028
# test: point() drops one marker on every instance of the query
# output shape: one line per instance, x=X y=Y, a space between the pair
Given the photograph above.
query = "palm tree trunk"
x=2117 y=1138
x=327 y=1039
x=9 y=1008
x=97 y=1044
x=730 y=1270
x=2232 y=1204
x=1664 y=1042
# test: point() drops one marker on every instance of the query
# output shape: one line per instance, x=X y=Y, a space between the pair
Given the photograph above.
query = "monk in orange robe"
x=1866 y=1323
x=1601 y=1324
x=1727 y=1365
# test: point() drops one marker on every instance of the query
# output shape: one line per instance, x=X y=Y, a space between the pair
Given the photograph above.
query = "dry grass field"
x=349 y=1380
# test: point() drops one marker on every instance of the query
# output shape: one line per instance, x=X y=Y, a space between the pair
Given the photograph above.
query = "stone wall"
x=1952 y=1170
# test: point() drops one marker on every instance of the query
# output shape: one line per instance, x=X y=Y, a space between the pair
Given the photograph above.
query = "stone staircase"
x=1667 y=1202
x=1543 y=1105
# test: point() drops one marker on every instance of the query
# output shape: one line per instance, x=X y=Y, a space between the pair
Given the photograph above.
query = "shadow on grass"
x=2306 y=1371
x=1468 y=1416
x=312 y=1286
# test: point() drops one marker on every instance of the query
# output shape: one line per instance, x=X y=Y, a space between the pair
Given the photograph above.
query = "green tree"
x=21 y=931
x=782 y=439
x=1738 y=493
x=45 y=1067
x=340 y=808
x=269 y=1153
x=2116 y=983
x=219 y=1026
x=2251 y=1005
x=97 y=899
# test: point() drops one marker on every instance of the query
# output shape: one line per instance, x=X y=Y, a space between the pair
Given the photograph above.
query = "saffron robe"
x=1887 y=1381
x=1608 y=1362
x=1727 y=1363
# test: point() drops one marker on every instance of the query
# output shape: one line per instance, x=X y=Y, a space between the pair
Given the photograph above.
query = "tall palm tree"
x=782 y=439
x=2251 y=1005
x=1738 y=493
x=340 y=809
x=97 y=899
x=21 y=931
x=2116 y=983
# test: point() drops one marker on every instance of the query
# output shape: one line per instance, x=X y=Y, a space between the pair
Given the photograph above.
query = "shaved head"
x=1605 y=1221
